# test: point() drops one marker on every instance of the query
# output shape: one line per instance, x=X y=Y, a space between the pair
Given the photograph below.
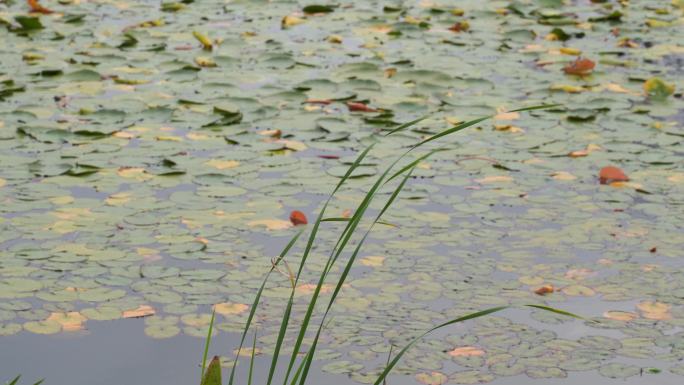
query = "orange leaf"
x=460 y=26
x=612 y=174
x=36 y=7
x=298 y=218
x=467 y=351
x=543 y=290
x=580 y=67
x=141 y=311
x=360 y=107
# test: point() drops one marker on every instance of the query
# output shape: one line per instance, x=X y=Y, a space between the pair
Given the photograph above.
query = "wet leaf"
x=610 y=174
x=298 y=218
x=580 y=67
x=658 y=89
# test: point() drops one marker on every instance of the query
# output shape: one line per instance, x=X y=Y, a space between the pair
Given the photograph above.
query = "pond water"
x=151 y=155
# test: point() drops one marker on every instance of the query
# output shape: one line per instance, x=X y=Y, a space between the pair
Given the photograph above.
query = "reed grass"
x=298 y=369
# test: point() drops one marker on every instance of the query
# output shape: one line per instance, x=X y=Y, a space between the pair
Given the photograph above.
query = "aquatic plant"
x=298 y=370
x=15 y=381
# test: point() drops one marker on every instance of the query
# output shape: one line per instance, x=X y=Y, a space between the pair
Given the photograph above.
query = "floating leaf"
x=611 y=174
x=139 y=312
x=204 y=40
x=432 y=378
x=466 y=351
x=580 y=67
x=315 y=8
x=298 y=218
x=656 y=88
x=36 y=7
x=543 y=290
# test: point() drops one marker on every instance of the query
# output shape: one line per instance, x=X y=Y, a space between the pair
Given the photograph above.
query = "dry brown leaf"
x=655 y=310
x=495 y=179
x=220 y=164
x=620 y=315
x=230 y=308
x=372 y=261
x=543 y=290
x=298 y=218
x=432 y=378
x=71 y=321
x=611 y=174
x=581 y=67
x=563 y=175
x=271 y=224
x=141 y=311
x=36 y=7
x=308 y=288
x=466 y=351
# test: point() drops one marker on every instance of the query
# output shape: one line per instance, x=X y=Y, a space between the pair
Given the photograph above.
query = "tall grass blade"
x=251 y=360
x=15 y=380
x=470 y=316
x=348 y=266
x=258 y=298
x=396 y=359
x=207 y=342
x=406 y=125
x=312 y=237
x=558 y=311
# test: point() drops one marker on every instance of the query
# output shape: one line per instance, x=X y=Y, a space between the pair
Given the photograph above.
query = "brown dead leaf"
x=467 y=351
x=230 y=308
x=372 y=261
x=360 y=107
x=36 y=7
x=141 y=311
x=271 y=224
x=221 y=164
x=432 y=378
x=612 y=174
x=580 y=67
x=543 y=290
x=298 y=218
x=620 y=315
x=495 y=179
x=70 y=321
x=655 y=310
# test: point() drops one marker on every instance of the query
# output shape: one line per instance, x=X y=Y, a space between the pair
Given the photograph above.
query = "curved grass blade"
x=251 y=360
x=396 y=359
x=558 y=311
x=258 y=298
x=348 y=266
x=406 y=125
x=286 y=316
x=470 y=316
x=207 y=342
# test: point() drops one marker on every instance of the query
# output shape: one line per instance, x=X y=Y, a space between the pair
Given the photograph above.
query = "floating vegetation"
x=152 y=157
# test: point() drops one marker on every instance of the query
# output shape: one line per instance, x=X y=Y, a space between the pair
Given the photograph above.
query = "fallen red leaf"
x=298 y=218
x=543 y=290
x=329 y=156
x=360 y=107
x=36 y=7
x=459 y=27
x=611 y=174
x=653 y=249
x=581 y=67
